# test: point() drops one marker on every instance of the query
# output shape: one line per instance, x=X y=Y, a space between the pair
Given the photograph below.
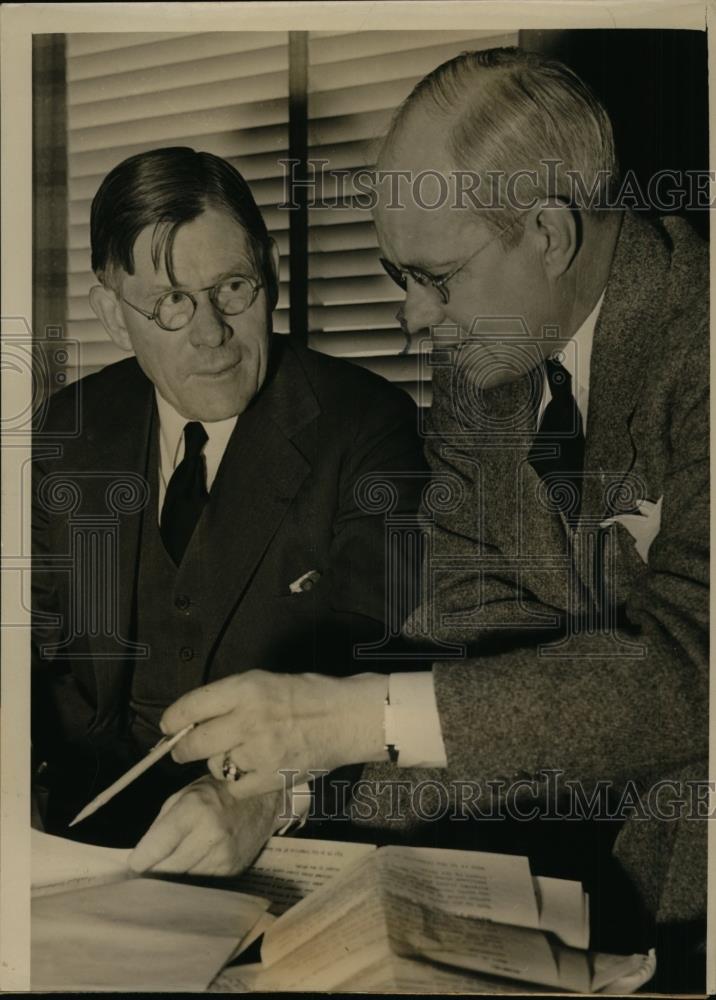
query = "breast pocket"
x=312 y=601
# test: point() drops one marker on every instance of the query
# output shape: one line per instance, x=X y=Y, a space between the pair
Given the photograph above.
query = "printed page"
x=416 y=902
x=419 y=931
x=479 y=884
x=349 y=945
x=347 y=936
x=562 y=910
x=335 y=913
x=59 y=865
x=143 y=934
x=290 y=868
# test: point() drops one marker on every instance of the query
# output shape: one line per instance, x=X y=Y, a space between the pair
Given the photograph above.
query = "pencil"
x=156 y=753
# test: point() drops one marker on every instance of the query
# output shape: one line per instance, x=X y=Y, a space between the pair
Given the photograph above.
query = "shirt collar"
x=171 y=431
x=171 y=428
x=576 y=356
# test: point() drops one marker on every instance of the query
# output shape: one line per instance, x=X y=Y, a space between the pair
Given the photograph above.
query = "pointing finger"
x=162 y=837
x=188 y=856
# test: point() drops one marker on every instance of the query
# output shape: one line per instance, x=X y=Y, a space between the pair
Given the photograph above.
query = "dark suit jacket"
x=285 y=501
x=629 y=700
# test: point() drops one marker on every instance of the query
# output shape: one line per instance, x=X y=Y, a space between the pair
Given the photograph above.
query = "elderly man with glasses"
x=223 y=464
x=569 y=433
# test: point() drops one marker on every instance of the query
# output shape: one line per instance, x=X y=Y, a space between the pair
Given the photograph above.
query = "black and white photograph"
x=356 y=498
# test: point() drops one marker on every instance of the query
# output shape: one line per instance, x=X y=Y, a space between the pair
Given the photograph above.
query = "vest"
x=168 y=618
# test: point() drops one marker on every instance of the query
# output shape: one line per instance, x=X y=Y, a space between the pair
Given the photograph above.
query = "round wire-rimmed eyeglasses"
x=174 y=309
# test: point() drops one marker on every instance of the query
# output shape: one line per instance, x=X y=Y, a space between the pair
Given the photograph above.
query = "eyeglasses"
x=424 y=278
x=231 y=296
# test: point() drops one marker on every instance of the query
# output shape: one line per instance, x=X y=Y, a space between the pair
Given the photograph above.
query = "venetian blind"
x=356 y=80
x=223 y=92
x=227 y=93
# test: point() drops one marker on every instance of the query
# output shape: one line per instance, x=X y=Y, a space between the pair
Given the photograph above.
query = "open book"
x=350 y=918
x=420 y=920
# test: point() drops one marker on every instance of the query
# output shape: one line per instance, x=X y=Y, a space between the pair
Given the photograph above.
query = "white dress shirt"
x=412 y=721
x=171 y=444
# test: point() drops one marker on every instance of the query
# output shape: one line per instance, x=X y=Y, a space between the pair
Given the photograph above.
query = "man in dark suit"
x=570 y=427
x=203 y=517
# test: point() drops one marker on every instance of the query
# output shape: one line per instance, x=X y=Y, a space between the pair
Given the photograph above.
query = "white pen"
x=156 y=753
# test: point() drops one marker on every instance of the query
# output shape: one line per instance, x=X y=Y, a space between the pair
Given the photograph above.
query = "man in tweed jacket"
x=574 y=635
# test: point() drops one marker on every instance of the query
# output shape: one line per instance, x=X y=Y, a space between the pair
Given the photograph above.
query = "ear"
x=273 y=261
x=558 y=230
x=106 y=307
x=275 y=257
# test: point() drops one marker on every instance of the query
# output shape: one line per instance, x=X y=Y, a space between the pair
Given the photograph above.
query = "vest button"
x=186 y=653
x=182 y=602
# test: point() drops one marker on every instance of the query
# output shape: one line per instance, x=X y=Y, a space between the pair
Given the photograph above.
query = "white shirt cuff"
x=301 y=800
x=412 y=723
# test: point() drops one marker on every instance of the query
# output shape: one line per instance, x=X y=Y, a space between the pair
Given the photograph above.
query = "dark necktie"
x=186 y=494
x=560 y=430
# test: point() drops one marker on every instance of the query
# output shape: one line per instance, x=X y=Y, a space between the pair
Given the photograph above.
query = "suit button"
x=186 y=653
x=181 y=602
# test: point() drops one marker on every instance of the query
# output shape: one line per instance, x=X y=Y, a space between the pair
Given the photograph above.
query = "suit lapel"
x=632 y=310
x=260 y=474
x=504 y=509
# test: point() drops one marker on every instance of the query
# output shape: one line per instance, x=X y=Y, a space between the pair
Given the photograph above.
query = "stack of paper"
x=96 y=926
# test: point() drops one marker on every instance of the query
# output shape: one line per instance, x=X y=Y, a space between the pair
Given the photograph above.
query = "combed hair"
x=166 y=188
x=510 y=110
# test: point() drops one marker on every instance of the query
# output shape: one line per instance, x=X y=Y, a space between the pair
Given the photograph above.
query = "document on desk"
x=59 y=865
x=290 y=868
x=126 y=933
x=416 y=901
x=421 y=919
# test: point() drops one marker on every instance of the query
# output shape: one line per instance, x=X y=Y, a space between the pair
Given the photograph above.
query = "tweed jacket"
x=565 y=651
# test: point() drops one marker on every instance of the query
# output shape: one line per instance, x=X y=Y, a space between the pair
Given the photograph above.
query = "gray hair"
x=513 y=111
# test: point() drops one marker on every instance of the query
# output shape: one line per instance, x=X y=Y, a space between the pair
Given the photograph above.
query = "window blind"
x=355 y=81
x=226 y=93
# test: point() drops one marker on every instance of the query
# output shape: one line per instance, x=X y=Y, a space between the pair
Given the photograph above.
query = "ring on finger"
x=231 y=770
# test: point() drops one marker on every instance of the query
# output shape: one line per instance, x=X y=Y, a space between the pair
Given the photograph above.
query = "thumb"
x=165 y=833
